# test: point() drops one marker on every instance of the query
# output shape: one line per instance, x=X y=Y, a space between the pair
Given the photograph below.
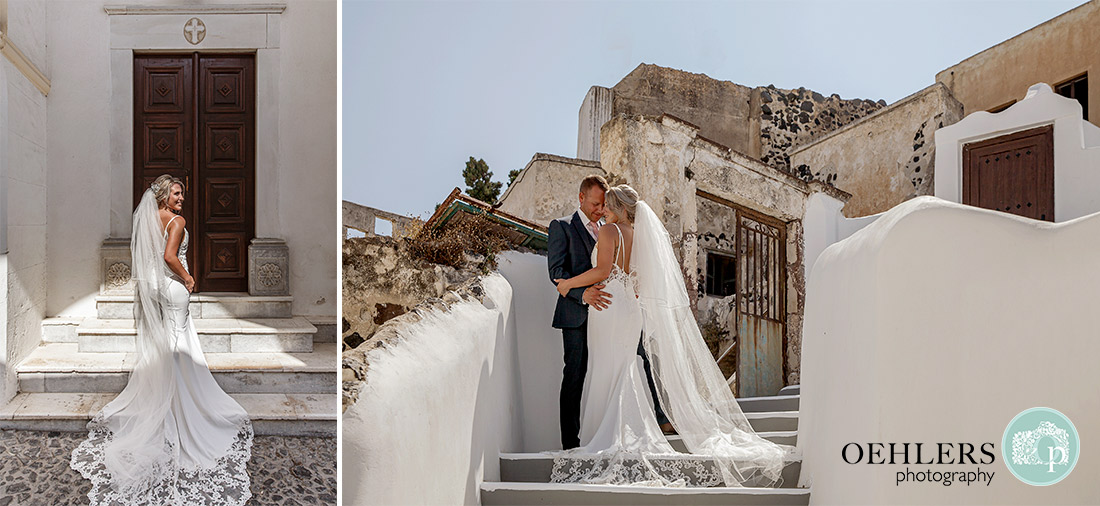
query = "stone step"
x=205 y=305
x=216 y=335
x=272 y=414
x=536 y=467
x=768 y=403
x=780 y=437
x=498 y=493
x=773 y=421
x=790 y=390
x=61 y=368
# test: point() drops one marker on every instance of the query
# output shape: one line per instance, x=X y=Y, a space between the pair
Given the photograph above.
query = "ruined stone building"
x=732 y=168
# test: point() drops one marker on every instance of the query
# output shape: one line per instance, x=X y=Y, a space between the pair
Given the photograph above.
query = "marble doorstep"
x=60 y=329
x=62 y=368
x=217 y=335
x=205 y=305
x=271 y=414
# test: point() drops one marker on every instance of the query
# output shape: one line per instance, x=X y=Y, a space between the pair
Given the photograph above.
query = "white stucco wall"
x=90 y=181
x=23 y=254
x=1076 y=149
x=539 y=348
x=824 y=224
x=438 y=407
x=939 y=323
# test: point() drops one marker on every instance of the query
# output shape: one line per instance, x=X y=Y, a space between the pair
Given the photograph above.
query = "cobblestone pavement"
x=34 y=470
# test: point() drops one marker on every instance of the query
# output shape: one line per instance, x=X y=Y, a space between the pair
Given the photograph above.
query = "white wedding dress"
x=621 y=441
x=172 y=436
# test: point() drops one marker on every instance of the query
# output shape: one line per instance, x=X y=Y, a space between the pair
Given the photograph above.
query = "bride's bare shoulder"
x=171 y=220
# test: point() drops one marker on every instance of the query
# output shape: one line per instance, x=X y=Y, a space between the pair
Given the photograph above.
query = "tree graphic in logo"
x=1044 y=446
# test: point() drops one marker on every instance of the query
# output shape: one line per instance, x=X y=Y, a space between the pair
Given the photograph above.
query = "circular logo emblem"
x=1040 y=446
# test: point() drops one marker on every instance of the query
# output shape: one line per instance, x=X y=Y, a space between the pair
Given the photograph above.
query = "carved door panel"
x=164 y=126
x=226 y=170
x=194 y=117
x=1013 y=173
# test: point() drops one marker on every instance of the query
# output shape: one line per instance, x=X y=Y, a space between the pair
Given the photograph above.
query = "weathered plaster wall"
x=295 y=175
x=790 y=118
x=650 y=155
x=763 y=123
x=383 y=281
x=436 y=399
x=877 y=372
x=716 y=227
x=595 y=111
x=25 y=201
x=547 y=188
x=1052 y=52
x=885 y=158
x=721 y=109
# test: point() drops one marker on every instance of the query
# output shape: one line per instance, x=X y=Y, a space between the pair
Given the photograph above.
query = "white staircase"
x=279 y=367
x=525 y=476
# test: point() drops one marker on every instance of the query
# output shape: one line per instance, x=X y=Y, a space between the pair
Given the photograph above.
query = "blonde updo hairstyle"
x=163 y=186
x=622 y=200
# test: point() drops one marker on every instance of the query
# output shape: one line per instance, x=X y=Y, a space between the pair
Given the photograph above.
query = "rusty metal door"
x=1012 y=173
x=761 y=308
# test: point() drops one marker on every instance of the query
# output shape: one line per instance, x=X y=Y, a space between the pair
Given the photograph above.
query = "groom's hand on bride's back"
x=594 y=296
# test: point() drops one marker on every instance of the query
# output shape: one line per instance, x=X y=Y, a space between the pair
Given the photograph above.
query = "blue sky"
x=428 y=84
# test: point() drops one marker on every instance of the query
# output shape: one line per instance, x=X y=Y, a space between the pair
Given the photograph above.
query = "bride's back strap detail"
x=166 y=225
x=620 y=252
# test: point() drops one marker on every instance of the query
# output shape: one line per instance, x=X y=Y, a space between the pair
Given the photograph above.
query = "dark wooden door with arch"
x=194 y=118
x=1012 y=173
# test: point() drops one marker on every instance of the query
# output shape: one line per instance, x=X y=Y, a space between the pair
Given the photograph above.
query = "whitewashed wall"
x=296 y=176
x=23 y=183
x=438 y=407
x=824 y=224
x=939 y=323
x=539 y=348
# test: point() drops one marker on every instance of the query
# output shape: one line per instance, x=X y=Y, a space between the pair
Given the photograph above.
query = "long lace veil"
x=690 y=386
x=138 y=454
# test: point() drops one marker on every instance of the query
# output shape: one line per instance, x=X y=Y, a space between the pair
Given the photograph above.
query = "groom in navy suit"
x=571 y=241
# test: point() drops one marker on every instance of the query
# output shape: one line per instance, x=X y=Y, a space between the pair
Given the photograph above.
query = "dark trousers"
x=575 y=343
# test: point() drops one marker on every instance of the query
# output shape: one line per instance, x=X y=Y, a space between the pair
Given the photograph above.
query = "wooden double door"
x=194 y=118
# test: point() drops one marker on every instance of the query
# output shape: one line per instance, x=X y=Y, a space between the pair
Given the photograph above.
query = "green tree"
x=512 y=176
x=479 y=183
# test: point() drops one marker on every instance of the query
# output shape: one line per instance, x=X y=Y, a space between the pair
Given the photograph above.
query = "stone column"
x=268 y=267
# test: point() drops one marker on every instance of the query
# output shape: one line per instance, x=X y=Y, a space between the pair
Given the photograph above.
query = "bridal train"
x=172 y=436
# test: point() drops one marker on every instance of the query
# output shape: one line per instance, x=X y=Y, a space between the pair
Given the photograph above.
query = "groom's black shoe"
x=667 y=429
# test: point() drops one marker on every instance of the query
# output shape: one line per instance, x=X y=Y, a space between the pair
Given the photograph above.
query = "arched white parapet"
x=1076 y=149
x=938 y=323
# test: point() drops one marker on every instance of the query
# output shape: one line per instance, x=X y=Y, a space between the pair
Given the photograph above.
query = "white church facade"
x=239 y=101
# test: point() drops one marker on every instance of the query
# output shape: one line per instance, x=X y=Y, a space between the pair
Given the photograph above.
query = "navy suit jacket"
x=569 y=253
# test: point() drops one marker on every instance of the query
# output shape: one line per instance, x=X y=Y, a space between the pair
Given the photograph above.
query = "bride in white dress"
x=172 y=436
x=621 y=442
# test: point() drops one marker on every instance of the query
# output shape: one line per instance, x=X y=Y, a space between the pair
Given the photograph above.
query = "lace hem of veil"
x=225 y=484
x=646 y=469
